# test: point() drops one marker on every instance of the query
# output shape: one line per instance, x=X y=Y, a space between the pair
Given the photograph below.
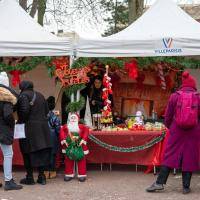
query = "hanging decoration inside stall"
x=132 y=69
x=70 y=77
x=107 y=91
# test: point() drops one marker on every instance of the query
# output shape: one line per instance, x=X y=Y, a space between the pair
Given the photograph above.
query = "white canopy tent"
x=163 y=30
x=20 y=35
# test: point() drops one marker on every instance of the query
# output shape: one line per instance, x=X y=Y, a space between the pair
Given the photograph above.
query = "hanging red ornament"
x=132 y=69
x=16 y=77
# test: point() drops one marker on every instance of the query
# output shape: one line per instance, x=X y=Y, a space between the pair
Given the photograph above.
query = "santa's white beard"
x=73 y=127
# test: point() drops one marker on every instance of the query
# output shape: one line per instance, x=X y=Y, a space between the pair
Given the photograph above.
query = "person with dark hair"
x=32 y=111
x=95 y=96
x=54 y=125
x=182 y=117
x=96 y=101
x=7 y=101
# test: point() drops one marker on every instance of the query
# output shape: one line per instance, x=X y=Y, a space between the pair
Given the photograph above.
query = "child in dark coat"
x=54 y=125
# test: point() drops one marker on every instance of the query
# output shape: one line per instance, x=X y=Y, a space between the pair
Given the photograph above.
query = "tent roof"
x=163 y=30
x=21 y=35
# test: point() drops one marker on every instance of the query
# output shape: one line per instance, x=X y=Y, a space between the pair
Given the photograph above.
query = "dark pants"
x=52 y=166
x=164 y=173
x=29 y=168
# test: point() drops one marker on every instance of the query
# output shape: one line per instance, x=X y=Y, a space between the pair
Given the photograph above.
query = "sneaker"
x=186 y=190
x=42 y=180
x=82 y=179
x=67 y=178
x=155 y=187
x=11 y=185
x=27 y=181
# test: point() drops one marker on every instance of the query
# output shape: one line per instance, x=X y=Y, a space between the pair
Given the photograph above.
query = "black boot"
x=11 y=185
x=29 y=180
x=186 y=178
x=82 y=179
x=1 y=185
x=42 y=179
x=67 y=178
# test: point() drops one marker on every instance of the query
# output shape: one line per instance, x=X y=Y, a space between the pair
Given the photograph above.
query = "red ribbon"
x=132 y=69
x=16 y=77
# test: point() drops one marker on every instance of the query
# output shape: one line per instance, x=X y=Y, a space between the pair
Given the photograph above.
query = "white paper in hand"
x=19 y=131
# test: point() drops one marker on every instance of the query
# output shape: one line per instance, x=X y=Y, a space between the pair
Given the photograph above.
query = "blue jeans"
x=7 y=160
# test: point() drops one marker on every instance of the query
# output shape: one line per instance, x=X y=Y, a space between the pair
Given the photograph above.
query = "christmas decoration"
x=78 y=77
x=162 y=77
x=132 y=69
x=18 y=66
x=72 y=76
x=73 y=136
x=87 y=117
x=130 y=149
x=16 y=77
x=74 y=151
x=107 y=90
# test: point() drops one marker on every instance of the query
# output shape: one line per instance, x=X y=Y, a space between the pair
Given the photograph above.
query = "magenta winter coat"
x=183 y=147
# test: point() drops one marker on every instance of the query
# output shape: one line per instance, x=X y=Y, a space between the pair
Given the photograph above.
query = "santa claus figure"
x=72 y=129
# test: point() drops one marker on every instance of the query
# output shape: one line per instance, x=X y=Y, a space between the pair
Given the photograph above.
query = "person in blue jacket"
x=54 y=125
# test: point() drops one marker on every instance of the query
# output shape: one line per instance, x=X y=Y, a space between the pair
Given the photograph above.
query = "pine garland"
x=76 y=106
x=73 y=89
x=26 y=65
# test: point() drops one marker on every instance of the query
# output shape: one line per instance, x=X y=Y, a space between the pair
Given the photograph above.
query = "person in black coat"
x=32 y=110
x=7 y=101
x=95 y=96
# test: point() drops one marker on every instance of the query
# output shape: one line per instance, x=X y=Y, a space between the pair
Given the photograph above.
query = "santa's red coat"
x=83 y=133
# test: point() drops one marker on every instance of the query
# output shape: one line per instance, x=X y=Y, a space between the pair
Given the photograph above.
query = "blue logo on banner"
x=167 y=43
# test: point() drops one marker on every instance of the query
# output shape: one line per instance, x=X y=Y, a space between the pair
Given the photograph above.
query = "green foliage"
x=81 y=62
x=119 y=15
x=76 y=106
x=73 y=89
x=27 y=65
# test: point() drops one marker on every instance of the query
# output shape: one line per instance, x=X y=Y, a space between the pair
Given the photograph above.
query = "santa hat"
x=71 y=114
x=4 y=80
x=188 y=80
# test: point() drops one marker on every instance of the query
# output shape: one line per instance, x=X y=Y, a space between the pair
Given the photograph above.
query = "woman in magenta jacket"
x=183 y=147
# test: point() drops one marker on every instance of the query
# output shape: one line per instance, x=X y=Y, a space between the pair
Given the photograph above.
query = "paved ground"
x=106 y=185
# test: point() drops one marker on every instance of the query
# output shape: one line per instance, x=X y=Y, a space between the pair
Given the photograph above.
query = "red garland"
x=132 y=69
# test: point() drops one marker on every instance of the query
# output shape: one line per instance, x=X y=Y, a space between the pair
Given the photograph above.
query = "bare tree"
x=41 y=11
x=34 y=8
x=23 y=4
x=135 y=9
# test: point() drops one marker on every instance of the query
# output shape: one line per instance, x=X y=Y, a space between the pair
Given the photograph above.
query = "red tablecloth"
x=148 y=157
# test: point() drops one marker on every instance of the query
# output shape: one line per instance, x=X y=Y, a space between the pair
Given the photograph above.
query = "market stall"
x=124 y=107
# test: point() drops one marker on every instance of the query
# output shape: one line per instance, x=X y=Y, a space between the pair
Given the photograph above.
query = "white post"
x=78 y=95
x=71 y=60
